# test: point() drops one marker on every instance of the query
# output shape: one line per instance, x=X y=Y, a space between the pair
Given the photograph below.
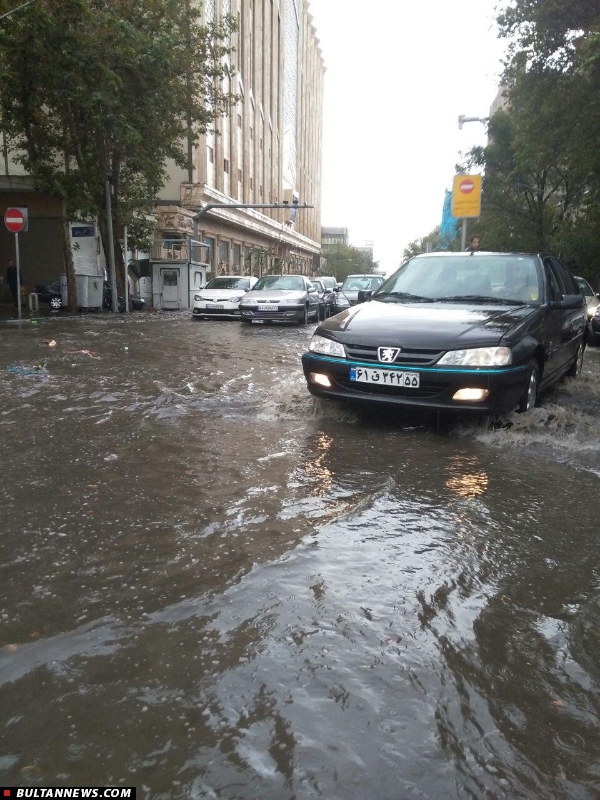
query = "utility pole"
x=111 y=248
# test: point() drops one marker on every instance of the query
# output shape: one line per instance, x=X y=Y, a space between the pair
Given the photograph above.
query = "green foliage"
x=344 y=260
x=541 y=187
x=96 y=87
x=429 y=244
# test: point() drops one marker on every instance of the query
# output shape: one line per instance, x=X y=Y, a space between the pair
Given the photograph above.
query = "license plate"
x=267 y=308
x=213 y=305
x=384 y=377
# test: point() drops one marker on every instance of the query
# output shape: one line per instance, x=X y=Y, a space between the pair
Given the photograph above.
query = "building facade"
x=331 y=236
x=266 y=150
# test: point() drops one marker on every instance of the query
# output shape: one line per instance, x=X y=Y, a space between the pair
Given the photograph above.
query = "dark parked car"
x=483 y=331
x=348 y=293
x=326 y=297
x=50 y=293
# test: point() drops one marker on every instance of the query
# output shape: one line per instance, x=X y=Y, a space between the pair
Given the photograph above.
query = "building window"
x=210 y=251
x=226 y=165
x=251 y=132
x=252 y=183
x=261 y=144
x=239 y=120
x=240 y=175
x=223 y=254
x=211 y=155
x=260 y=190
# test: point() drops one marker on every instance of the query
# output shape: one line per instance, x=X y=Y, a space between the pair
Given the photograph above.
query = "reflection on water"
x=214 y=586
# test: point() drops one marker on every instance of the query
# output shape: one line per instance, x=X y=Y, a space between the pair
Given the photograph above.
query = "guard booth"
x=178 y=271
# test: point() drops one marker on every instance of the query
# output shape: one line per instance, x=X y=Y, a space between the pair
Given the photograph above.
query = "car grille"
x=407 y=356
x=217 y=311
x=425 y=392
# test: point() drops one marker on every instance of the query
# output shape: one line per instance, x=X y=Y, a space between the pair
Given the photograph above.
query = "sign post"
x=16 y=220
x=466 y=201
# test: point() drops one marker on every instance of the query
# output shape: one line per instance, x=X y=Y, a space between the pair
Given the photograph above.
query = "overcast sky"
x=399 y=73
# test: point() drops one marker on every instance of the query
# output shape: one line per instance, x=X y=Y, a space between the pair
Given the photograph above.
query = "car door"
x=555 y=317
x=574 y=320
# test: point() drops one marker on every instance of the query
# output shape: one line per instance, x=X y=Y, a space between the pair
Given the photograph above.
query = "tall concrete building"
x=266 y=150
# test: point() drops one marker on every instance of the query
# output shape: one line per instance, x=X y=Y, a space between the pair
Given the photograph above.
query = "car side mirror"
x=364 y=295
x=311 y=290
x=569 y=301
x=336 y=288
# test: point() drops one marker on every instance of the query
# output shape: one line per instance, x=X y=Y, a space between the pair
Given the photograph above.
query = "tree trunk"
x=119 y=259
x=68 y=257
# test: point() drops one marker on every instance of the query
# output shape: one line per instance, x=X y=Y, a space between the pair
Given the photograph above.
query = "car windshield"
x=284 y=283
x=329 y=283
x=228 y=283
x=502 y=279
x=584 y=287
x=361 y=283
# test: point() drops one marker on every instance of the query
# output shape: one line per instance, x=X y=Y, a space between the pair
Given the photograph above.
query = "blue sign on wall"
x=79 y=231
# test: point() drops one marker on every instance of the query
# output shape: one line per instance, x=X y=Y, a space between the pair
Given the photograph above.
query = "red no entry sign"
x=15 y=219
x=467 y=186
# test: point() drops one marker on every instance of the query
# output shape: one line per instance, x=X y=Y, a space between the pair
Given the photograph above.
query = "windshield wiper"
x=478 y=298
x=402 y=296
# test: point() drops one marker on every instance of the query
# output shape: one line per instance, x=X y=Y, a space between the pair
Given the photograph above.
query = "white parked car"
x=221 y=297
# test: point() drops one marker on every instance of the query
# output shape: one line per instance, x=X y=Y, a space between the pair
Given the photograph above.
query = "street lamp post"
x=18 y=8
x=461 y=121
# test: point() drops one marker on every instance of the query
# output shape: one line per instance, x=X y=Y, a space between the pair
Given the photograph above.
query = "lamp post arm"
x=210 y=206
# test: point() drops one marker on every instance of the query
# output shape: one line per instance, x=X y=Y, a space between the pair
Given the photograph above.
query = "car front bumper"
x=284 y=313
x=221 y=308
x=505 y=386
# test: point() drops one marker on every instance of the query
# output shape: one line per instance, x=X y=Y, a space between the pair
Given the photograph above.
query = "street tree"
x=97 y=88
x=344 y=260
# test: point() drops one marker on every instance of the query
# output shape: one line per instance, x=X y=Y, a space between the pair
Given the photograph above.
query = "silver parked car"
x=281 y=298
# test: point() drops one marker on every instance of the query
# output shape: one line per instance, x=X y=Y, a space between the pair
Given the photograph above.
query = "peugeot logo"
x=387 y=355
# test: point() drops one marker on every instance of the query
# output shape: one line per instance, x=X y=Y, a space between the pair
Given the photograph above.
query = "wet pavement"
x=213 y=585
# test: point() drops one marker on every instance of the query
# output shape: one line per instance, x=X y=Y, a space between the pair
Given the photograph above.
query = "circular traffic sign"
x=467 y=186
x=14 y=219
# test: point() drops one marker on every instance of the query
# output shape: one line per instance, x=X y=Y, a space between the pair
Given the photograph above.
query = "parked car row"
x=279 y=298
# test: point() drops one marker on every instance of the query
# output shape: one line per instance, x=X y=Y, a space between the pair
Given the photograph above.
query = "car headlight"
x=235 y=299
x=342 y=301
x=596 y=311
x=319 y=344
x=197 y=297
x=478 y=357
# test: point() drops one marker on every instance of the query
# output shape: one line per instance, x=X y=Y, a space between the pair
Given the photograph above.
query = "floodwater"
x=214 y=586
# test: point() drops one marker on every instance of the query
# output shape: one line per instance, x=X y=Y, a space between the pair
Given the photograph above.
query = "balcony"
x=189 y=251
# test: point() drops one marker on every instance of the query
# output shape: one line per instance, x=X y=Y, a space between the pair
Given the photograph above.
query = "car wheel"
x=55 y=303
x=529 y=397
x=304 y=320
x=577 y=365
x=121 y=304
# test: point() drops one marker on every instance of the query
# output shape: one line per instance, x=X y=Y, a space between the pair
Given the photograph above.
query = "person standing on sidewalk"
x=474 y=244
x=11 y=279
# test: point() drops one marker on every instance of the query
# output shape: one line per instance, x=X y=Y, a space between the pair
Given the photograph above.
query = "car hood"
x=438 y=325
x=223 y=294
x=265 y=295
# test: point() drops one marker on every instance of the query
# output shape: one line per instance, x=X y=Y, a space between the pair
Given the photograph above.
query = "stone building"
x=267 y=150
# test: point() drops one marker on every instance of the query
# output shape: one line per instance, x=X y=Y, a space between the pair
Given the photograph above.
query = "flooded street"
x=215 y=586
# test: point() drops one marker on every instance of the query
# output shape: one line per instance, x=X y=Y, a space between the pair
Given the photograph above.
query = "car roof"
x=474 y=253
x=363 y=275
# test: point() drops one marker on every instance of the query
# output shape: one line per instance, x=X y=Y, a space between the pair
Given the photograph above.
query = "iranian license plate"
x=267 y=308
x=214 y=305
x=385 y=377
